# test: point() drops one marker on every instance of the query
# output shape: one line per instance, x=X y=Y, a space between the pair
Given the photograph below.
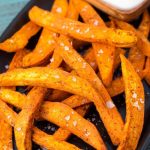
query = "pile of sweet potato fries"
x=64 y=84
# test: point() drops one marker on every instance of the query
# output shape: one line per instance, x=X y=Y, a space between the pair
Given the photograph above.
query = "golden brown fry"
x=47 y=40
x=80 y=30
x=62 y=134
x=83 y=69
x=49 y=142
x=62 y=80
x=5 y=135
x=76 y=101
x=25 y=117
x=104 y=54
x=17 y=59
x=144 y=27
x=10 y=116
x=90 y=59
x=143 y=44
x=134 y=106
x=58 y=95
x=20 y=39
x=117 y=57
x=56 y=59
x=69 y=119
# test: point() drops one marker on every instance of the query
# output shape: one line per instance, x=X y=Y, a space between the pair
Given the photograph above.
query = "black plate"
x=22 y=18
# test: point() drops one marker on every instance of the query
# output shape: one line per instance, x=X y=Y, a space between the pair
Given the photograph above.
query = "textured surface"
x=8 y=10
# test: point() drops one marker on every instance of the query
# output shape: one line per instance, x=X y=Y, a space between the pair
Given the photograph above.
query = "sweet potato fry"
x=144 y=25
x=76 y=101
x=83 y=69
x=135 y=106
x=80 y=30
x=26 y=116
x=56 y=59
x=84 y=129
x=62 y=80
x=117 y=57
x=147 y=67
x=49 y=142
x=62 y=134
x=104 y=54
x=47 y=40
x=20 y=39
x=143 y=44
x=10 y=116
x=5 y=135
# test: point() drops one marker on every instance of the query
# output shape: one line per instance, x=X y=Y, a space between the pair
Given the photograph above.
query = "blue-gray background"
x=8 y=10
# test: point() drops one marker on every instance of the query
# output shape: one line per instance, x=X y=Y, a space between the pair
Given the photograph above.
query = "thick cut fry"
x=26 y=116
x=117 y=57
x=5 y=135
x=49 y=142
x=134 y=106
x=5 y=128
x=83 y=69
x=143 y=44
x=62 y=134
x=76 y=101
x=144 y=25
x=117 y=87
x=73 y=121
x=47 y=40
x=104 y=54
x=17 y=59
x=56 y=59
x=80 y=30
x=147 y=67
x=20 y=39
x=62 y=80
x=58 y=95
x=10 y=116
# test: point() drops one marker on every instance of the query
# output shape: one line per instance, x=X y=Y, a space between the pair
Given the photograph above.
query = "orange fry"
x=80 y=30
x=10 y=116
x=72 y=121
x=75 y=61
x=58 y=79
x=20 y=39
x=62 y=134
x=25 y=117
x=104 y=54
x=49 y=142
x=134 y=106
x=143 y=44
x=47 y=40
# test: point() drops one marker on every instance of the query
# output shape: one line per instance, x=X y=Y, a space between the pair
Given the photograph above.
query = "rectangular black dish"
x=5 y=58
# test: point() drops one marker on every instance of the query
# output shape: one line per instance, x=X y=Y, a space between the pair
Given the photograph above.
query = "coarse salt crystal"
x=141 y=100
x=6 y=66
x=134 y=95
x=59 y=10
x=100 y=51
x=75 y=123
x=8 y=116
x=96 y=22
x=40 y=51
x=78 y=30
x=110 y=104
x=18 y=129
x=52 y=59
x=57 y=76
x=74 y=79
x=92 y=64
x=66 y=48
x=84 y=65
x=11 y=41
x=87 y=133
x=67 y=118
x=87 y=30
x=136 y=104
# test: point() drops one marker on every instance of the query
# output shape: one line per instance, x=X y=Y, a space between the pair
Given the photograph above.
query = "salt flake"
x=75 y=123
x=110 y=104
x=67 y=118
